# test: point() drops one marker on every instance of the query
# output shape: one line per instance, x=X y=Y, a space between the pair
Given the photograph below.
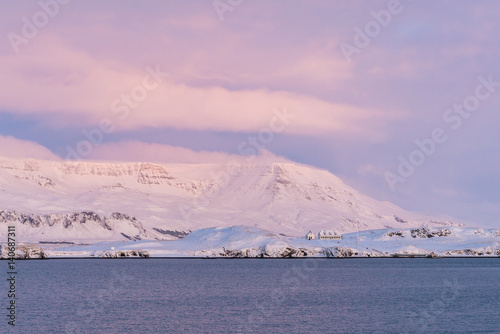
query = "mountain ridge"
x=282 y=197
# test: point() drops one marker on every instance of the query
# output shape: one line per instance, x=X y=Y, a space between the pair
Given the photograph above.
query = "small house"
x=310 y=236
x=329 y=235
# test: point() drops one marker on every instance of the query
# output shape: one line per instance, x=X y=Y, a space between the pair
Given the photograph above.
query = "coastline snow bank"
x=250 y=242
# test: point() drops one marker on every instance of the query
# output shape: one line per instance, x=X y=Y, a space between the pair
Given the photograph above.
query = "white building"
x=329 y=235
x=310 y=236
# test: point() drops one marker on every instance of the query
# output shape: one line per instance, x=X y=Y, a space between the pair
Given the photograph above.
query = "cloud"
x=11 y=147
x=370 y=170
x=68 y=87
x=136 y=151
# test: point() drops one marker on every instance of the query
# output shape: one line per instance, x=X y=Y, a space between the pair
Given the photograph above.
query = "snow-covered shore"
x=248 y=242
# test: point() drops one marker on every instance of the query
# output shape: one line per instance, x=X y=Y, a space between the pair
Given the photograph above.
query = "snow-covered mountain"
x=67 y=201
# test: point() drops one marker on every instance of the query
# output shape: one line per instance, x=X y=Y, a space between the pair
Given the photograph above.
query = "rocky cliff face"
x=77 y=225
x=23 y=251
x=68 y=221
x=28 y=170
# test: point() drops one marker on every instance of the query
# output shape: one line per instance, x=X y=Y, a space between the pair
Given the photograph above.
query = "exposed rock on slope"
x=86 y=225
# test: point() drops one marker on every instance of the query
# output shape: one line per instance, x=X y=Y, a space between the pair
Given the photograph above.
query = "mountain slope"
x=281 y=197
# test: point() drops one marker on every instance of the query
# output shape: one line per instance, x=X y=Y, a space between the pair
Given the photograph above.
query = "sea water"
x=257 y=296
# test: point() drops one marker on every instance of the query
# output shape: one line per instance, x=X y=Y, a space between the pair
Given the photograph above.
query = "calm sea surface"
x=257 y=296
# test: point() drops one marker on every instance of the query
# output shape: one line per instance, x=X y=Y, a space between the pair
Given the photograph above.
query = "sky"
x=398 y=98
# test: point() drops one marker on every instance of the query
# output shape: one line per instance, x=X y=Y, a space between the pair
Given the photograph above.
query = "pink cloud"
x=51 y=78
x=11 y=147
x=134 y=151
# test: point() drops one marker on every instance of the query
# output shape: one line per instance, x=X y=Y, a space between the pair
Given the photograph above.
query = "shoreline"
x=250 y=258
